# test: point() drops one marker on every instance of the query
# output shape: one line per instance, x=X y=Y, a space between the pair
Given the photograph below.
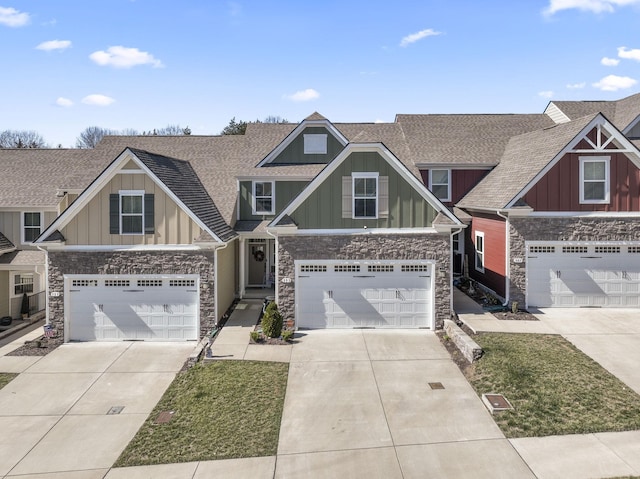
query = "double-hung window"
x=31 y=226
x=22 y=283
x=479 y=251
x=365 y=195
x=263 y=198
x=594 y=179
x=132 y=212
x=440 y=184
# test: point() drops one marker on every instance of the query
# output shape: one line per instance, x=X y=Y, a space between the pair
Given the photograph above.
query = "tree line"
x=92 y=135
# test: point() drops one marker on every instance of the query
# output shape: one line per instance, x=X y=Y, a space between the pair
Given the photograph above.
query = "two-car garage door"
x=348 y=294
x=112 y=308
x=583 y=274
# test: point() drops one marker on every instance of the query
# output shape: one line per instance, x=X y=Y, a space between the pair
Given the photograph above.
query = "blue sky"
x=144 y=64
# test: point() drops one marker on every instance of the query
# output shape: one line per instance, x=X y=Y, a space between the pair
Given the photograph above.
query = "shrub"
x=287 y=335
x=272 y=321
x=255 y=336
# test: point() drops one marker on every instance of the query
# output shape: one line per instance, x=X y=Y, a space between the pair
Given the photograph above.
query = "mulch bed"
x=38 y=347
x=493 y=306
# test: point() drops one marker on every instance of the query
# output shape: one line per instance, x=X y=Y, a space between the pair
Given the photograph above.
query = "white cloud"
x=609 y=62
x=576 y=86
x=13 y=18
x=97 y=100
x=64 y=102
x=595 y=6
x=54 y=45
x=379 y=121
x=414 y=37
x=545 y=94
x=304 y=95
x=122 y=57
x=614 y=83
x=633 y=54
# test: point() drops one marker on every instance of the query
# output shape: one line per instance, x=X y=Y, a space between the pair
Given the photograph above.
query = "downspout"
x=46 y=287
x=451 y=235
x=507 y=259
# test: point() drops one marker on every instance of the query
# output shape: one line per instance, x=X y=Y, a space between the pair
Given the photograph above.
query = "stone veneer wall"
x=133 y=262
x=366 y=247
x=561 y=229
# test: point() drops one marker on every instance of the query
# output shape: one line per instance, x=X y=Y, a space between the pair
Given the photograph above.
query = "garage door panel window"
x=594 y=180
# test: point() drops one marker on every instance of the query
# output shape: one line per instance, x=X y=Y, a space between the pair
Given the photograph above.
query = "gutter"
x=451 y=235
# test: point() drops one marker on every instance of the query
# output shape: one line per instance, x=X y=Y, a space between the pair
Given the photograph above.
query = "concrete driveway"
x=609 y=336
x=359 y=404
x=55 y=416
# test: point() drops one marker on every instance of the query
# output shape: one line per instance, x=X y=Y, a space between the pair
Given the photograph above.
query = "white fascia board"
x=585 y=214
x=29 y=208
x=599 y=119
x=630 y=126
x=296 y=132
x=556 y=114
x=274 y=178
x=396 y=164
x=352 y=231
x=163 y=247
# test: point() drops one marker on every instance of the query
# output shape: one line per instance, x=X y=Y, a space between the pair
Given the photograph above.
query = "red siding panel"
x=462 y=181
x=559 y=189
x=493 y=228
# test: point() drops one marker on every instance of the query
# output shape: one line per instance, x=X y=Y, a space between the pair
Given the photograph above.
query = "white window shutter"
x=383 y=197
x=346 y=197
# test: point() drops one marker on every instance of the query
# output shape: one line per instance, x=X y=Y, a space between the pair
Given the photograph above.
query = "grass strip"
x=5 y=378
x=222 y=410
x=553 y=386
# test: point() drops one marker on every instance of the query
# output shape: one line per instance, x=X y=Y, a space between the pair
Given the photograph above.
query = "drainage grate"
x=115 y=410
x=164 y=417
x=436 y=386
x=496 y=402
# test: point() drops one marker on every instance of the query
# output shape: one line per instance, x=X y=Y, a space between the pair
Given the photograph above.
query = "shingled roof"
x=621 y=112
x=464 y=139
x=5 y=244
x=183 y=181
x=524 y=157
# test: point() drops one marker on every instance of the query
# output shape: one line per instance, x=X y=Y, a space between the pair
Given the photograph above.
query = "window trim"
x=448 y=184
x=317 y=144
x=23 y=226
x=15 y=285
x=479 y=254
x=361 y=175
x=123 y=193
x=254 y=210
x=607 y=182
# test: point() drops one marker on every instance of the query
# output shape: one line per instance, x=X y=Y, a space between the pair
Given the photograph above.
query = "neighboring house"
x=35 y=185
x=346 y=224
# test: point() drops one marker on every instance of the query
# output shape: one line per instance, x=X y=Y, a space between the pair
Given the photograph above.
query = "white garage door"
x=583 y=274
x=348 y=294
x=113 y=308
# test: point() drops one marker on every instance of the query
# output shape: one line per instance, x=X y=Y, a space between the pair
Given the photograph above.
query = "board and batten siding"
x=493 y=228
x=462 y=181
x=293 y=154
x=285 y=191
x=559 y=189
x=10 y=225
x=4 y=293
x=323 y=208
x=90 y=226
x=227 y=272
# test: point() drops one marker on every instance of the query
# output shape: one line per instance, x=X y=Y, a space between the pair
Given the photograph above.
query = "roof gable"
x=175 y=177
x=351 y=151
x=314 y=124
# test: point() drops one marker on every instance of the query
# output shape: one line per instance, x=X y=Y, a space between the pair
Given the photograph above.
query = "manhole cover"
x=436 y=386
x=164 y=417
x=115 y=410
x=496 y=402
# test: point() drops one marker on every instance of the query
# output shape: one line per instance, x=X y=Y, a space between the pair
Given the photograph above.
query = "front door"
x=257 y=263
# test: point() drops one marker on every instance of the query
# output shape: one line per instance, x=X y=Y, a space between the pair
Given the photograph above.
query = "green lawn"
x=554 y=387
x=5 y=378
x=223 y=409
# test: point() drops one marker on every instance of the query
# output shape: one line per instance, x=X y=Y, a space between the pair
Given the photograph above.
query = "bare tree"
x=274 y=119
x=172 y=130
x=92 y=135
x=21 y=139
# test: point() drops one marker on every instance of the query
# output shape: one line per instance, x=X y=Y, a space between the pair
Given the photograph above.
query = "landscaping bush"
x=287 y=335
x=272 y=321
